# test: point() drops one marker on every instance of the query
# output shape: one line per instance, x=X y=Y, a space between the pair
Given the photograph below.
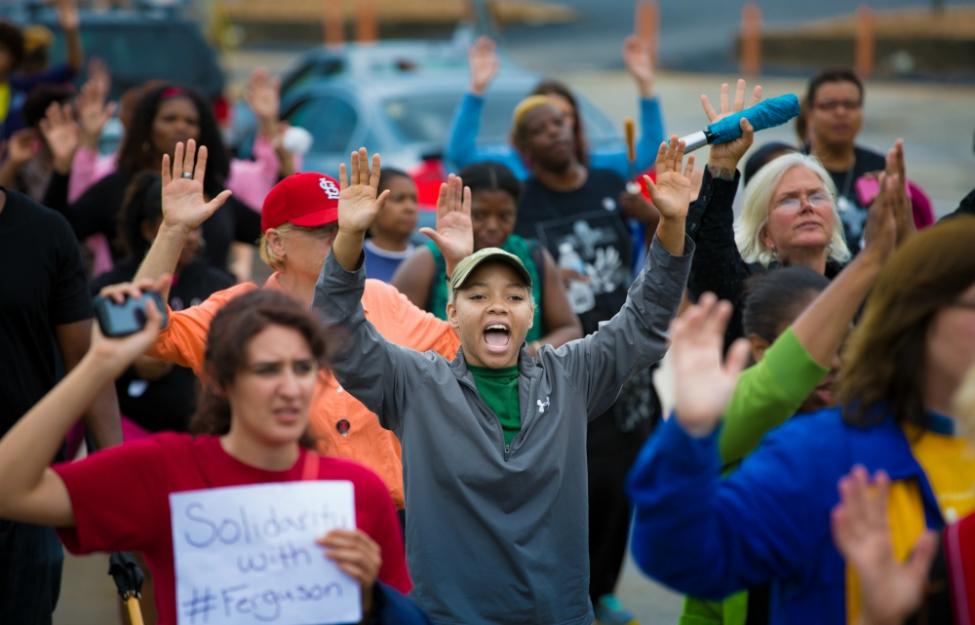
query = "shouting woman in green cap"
x=494 y=442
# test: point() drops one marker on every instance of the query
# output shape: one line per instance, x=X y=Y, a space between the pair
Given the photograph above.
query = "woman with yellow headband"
x=462 y=148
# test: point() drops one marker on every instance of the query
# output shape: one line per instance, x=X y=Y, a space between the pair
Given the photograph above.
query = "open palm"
x=61 y=133
x=703 y=384
x=359 y=199
x=484 y=63
x=637 y=55
x=671 y=193
x=455 y=231
x=263 y=96
x=889 y=590
x=727 y=155
x=183 y=203
x=93 y=111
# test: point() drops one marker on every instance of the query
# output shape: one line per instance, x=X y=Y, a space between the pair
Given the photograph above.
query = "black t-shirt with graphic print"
x=589 y=224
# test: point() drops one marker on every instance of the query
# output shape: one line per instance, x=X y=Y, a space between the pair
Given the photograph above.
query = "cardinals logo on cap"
x=328 y=186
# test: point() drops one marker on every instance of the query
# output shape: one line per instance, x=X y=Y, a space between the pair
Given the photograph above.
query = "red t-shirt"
x=120 y=499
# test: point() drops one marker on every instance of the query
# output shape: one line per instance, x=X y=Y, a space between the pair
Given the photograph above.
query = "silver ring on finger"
x=187 y=175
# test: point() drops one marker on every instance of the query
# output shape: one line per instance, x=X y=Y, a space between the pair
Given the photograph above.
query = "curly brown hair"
x=884 y=362
x=231 y=332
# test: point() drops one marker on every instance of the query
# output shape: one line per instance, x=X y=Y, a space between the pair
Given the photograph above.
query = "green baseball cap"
x=466 y=267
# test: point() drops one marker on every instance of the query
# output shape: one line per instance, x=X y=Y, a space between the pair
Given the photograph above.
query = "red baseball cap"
x=309 y=200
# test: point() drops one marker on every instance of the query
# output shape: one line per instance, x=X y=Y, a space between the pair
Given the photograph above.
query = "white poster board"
x=247 y=555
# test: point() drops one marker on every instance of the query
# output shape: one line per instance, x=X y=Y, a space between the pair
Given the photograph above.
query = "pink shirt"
x=250 y=181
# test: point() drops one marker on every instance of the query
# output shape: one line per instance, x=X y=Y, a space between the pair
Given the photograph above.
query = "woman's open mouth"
x=497 y=337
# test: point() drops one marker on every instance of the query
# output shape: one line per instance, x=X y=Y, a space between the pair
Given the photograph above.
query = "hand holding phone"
x=127 y=318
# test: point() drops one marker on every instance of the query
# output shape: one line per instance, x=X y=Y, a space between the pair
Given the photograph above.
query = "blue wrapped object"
x=766 y=114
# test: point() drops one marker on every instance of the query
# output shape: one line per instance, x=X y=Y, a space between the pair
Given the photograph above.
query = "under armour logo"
x=542 y=405
x=329 y=187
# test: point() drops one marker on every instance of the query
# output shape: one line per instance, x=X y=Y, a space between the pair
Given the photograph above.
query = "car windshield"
x=426 y=118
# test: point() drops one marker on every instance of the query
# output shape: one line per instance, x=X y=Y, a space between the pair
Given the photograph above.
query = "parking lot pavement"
x=88 y=595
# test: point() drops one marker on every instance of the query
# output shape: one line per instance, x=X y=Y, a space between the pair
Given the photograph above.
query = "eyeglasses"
x=794 y=202
x=832 y=105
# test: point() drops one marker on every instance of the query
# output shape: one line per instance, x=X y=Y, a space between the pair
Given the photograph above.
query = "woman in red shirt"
x=264 y=355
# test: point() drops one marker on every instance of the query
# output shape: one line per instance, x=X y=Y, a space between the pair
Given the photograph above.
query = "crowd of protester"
x=489 y=391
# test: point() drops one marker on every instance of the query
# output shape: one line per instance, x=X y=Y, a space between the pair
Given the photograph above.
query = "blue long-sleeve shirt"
x=462 y=148
x=769 y=522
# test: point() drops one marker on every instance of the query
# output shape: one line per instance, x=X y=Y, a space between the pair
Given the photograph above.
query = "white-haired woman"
x=789 y=217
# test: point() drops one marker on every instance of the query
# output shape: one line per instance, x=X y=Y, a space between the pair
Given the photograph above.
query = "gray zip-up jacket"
x=498 y=534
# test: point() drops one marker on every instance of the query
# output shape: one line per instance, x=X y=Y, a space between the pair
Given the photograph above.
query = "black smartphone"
x=128 y=317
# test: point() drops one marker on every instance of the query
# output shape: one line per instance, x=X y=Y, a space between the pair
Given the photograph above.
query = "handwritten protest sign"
x=247 y=555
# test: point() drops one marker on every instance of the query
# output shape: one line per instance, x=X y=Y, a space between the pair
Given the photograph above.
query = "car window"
x=426 y=118
x=330 y=120
x=312 y=70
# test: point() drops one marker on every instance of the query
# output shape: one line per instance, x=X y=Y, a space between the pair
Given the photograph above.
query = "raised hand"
x=117 y=353
x=484 y=63
x=890 y=591
x=68 y=14
x=98 y=71
x=263 y=96
x=183 y=204
x=703 y=384
x=638 y=57
x=903 y=212
x=62 y=135
x=725 y=157
x=881 y=231
x=93 y=110
x=358 y=556
x=22 y=146
x=672 y=192
x=360 y=200
x=455 y=231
